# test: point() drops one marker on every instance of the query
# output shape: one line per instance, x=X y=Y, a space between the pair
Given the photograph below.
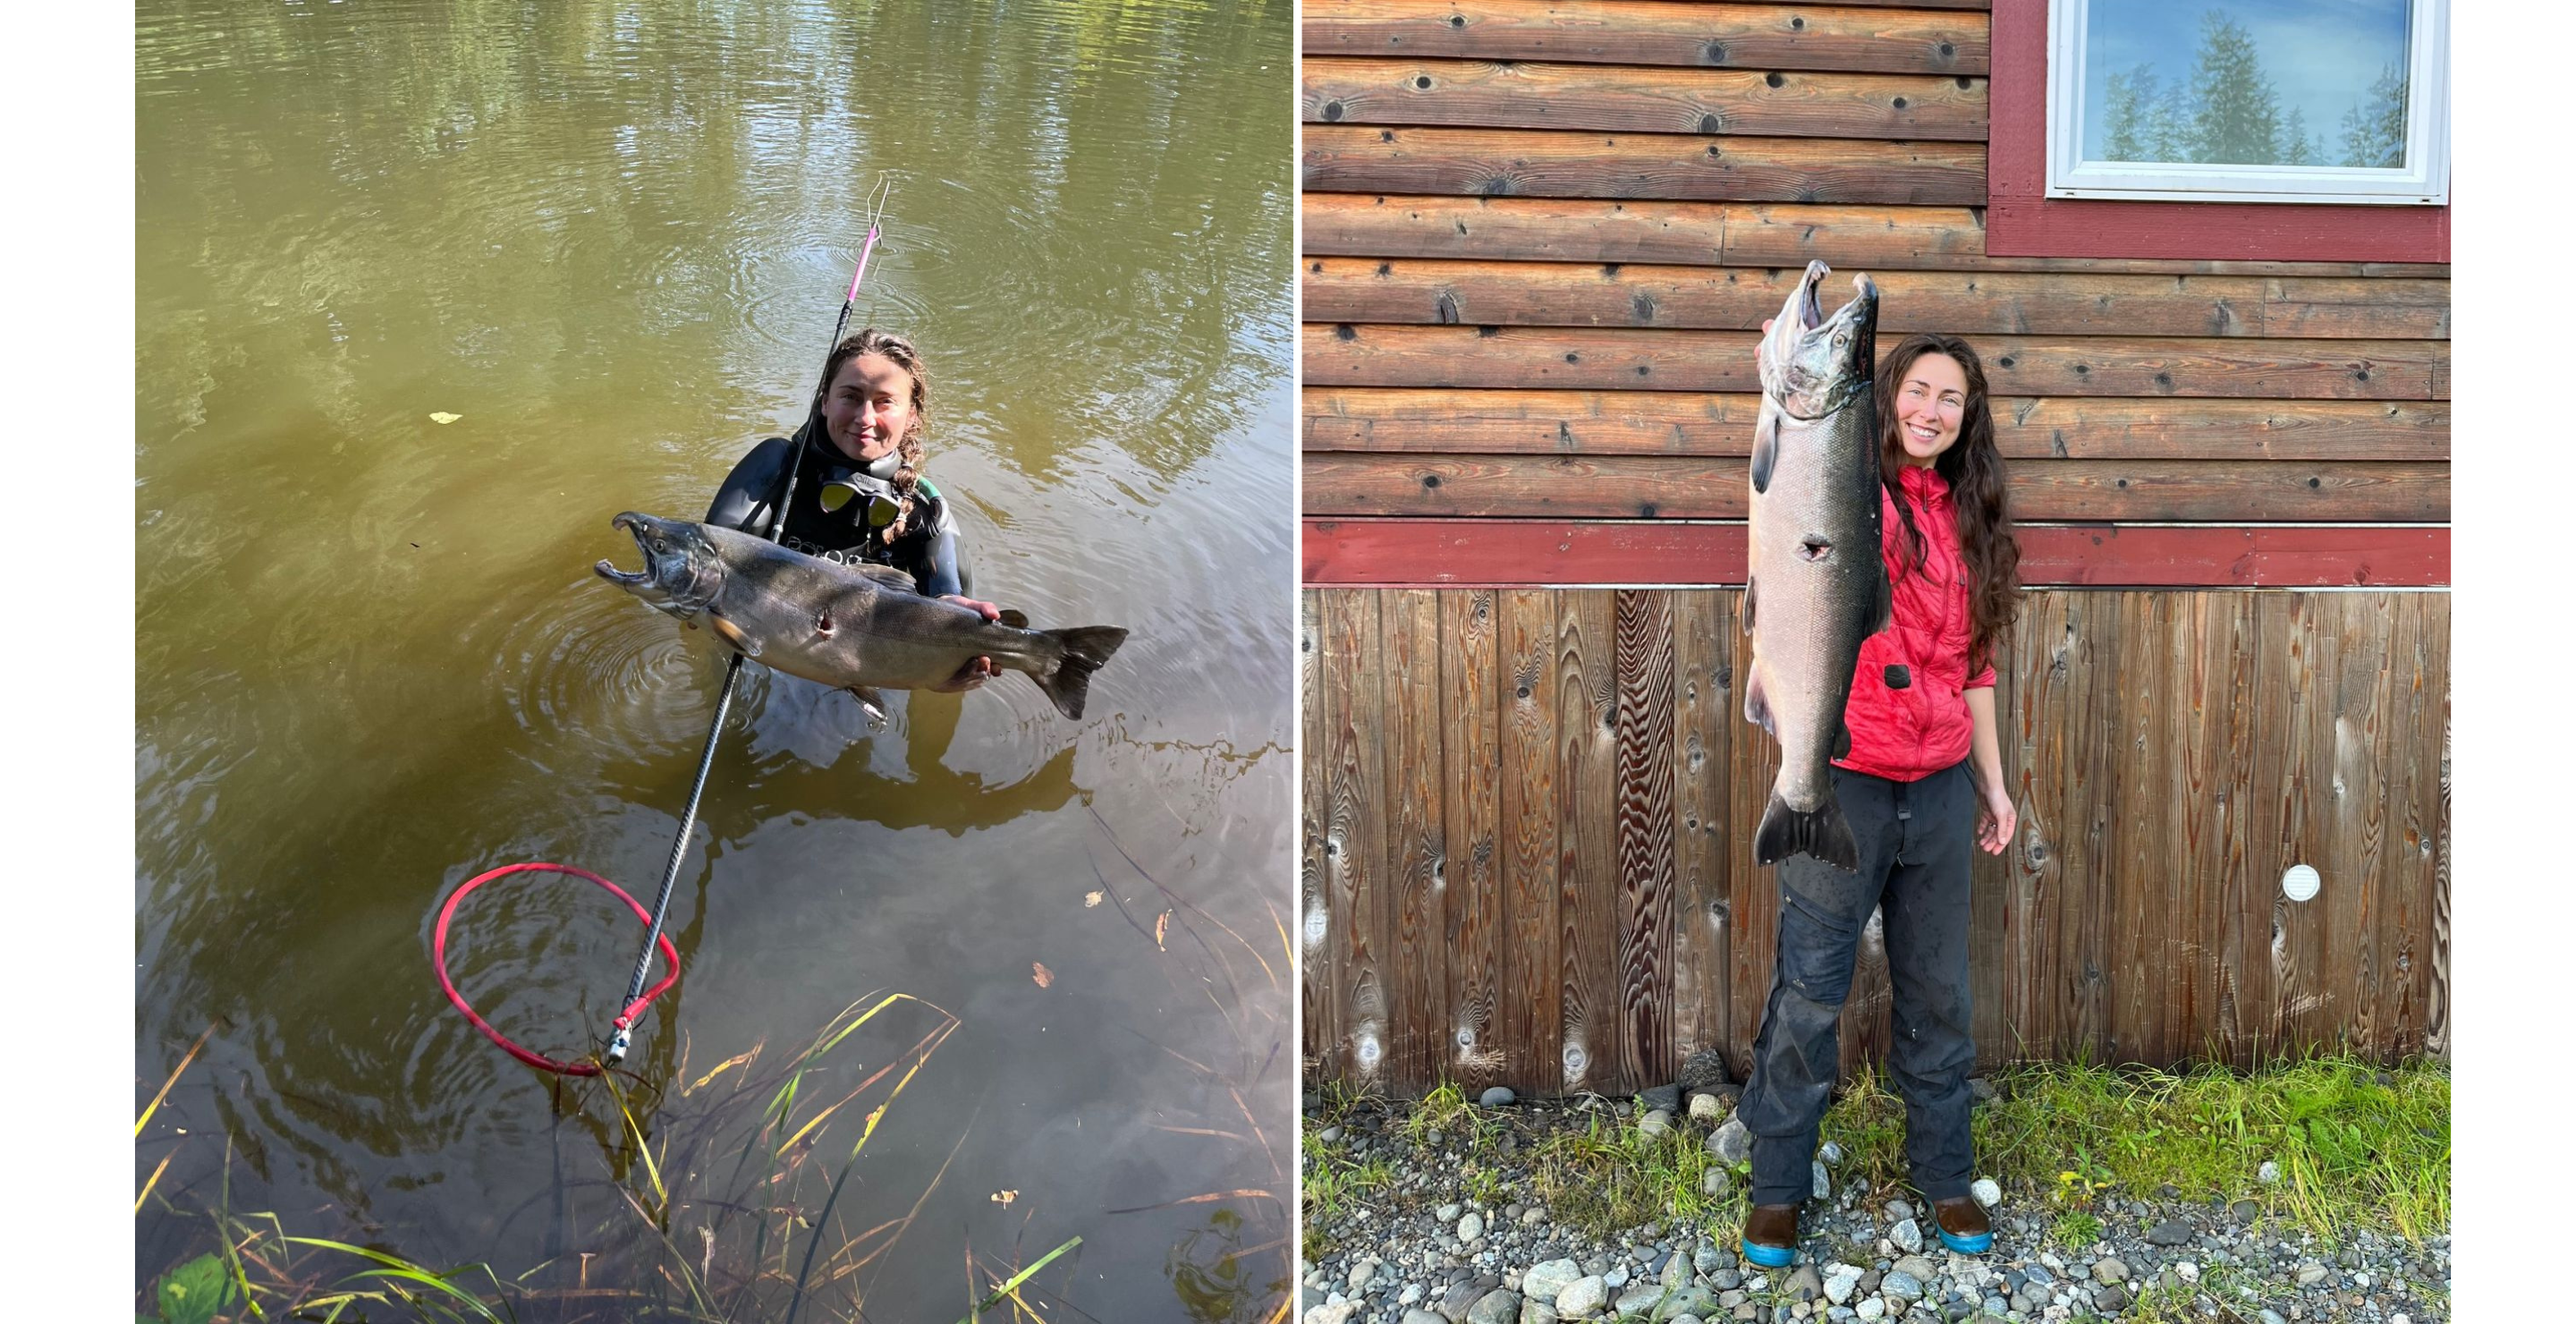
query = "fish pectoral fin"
x=1842 y=740
x=1882 y=611
x=872 y=703
x=732 y=635
x=1748 y=601
x=886 y=575
x=1757 y=707
x=1017 y=620
x=1766 y=452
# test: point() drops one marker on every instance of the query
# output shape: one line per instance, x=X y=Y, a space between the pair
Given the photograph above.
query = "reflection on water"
x=371 y=660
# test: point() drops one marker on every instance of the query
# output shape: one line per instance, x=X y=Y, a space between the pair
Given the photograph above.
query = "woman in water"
x=1923 y=786
x=860 y=495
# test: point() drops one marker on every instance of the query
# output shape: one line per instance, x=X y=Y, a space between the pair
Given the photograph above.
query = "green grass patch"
x=2352 y=1152
x=1610 y=1176
x=2075 y=1229
x=2355 y=1146
x=1332 y=1185
x=1442 y=1111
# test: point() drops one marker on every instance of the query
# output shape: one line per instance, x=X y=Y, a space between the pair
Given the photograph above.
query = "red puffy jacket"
x=1906 y=734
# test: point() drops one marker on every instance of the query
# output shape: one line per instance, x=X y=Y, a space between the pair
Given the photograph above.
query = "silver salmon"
x=855 y=627
x=1815 y=586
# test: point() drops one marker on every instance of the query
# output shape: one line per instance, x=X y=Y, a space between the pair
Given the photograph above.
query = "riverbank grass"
x=2332 y=1145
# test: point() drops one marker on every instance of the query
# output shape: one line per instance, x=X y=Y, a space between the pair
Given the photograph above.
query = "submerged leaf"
x=1162 y=926
x=1045 y=977
x=444 y=417
x=1005 y=1197
x=1090 y=899
x=195 y=1291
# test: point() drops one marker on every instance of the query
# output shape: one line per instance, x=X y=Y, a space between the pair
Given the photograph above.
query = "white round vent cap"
x=2299 y=882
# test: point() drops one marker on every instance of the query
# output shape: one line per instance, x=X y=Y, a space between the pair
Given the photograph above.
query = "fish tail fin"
x=1068 y=682
x=1822 y=832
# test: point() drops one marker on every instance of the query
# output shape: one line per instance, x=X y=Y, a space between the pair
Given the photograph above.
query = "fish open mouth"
x=1811 y=310
x=609 y=571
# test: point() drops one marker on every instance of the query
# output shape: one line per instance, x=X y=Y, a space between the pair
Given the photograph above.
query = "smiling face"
x=1930 y=404
x=869 y=408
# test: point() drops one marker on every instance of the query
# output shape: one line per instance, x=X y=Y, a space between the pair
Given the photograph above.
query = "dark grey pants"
x=1915 y=840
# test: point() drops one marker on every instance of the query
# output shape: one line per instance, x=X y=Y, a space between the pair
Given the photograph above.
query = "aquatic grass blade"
x=155 y=1105
x=1012 y=1287
x=398 y=1268
x=644 y=1147
x=865 y=1132
x=153 y=1180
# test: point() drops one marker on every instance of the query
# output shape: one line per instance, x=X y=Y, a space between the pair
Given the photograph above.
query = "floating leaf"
x=1045 y=977
x=1005 y=1197
x=1090 y=899
x=195 y=1291
x=444 y=417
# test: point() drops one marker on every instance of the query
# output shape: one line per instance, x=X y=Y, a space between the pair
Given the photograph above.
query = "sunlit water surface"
x=373 y=661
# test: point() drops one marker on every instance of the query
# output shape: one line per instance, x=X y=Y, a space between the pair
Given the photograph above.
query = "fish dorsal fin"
x=1017 y=620
x=1766 y=452
x=886 y=576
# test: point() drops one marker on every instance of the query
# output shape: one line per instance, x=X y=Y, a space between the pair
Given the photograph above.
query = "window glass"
x=2250 y=82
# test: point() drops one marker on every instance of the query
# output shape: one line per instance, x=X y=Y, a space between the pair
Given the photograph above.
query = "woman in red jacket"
x=1922 y=786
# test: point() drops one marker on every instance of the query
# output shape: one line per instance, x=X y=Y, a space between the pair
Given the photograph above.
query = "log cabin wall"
x=1538 y=240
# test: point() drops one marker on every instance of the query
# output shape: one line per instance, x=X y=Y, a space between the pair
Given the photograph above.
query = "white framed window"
x=2250 y=101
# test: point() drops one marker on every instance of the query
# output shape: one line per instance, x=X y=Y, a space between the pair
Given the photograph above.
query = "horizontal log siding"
x=1630 y=930
x=1533 y=552
x=1541 y=235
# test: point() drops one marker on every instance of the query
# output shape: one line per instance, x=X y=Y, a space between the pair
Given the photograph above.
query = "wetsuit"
x=927 y=549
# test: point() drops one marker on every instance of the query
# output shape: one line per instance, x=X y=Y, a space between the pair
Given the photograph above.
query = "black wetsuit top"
x=749 y=500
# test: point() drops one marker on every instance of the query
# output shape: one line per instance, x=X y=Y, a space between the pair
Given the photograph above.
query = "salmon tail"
x=1822 y=832
x=1068 y=683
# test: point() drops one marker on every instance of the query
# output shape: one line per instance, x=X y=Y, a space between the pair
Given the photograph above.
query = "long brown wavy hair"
x=1974 y=469
x=907 y=474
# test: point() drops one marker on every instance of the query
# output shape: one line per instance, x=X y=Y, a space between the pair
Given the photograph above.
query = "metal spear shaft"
x=622 y=1037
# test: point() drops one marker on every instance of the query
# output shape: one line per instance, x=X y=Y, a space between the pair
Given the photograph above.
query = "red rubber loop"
x=438 y=955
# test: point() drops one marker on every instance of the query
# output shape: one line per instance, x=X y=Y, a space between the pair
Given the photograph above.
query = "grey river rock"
x=425 y=294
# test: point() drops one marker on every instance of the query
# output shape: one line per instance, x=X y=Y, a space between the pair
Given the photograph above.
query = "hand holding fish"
x=981 y=669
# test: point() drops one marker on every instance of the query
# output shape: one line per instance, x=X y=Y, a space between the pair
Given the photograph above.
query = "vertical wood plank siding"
x=2174 y=753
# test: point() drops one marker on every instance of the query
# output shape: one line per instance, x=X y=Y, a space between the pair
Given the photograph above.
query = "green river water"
x=372 y=660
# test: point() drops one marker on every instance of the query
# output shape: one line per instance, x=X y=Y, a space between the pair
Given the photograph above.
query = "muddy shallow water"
x=372 y=660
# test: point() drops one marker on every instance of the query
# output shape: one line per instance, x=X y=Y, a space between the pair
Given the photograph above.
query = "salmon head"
x=682 y=571
x=1813 y=364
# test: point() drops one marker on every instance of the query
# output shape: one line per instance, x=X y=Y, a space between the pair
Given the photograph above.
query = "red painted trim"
x=1410 y=553
x=2022 y=221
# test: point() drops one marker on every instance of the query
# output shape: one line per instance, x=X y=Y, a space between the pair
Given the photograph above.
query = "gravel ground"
x=1424 y=1252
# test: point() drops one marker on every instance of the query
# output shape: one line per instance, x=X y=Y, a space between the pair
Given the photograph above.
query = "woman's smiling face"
x=1930 y=402
x=869 y=408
